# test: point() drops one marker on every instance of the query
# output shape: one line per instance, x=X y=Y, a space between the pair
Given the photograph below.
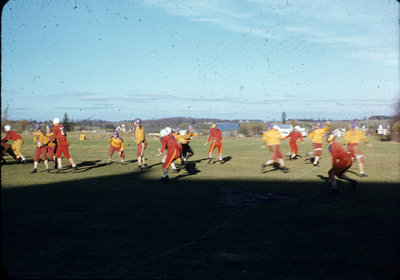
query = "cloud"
x=359 y=30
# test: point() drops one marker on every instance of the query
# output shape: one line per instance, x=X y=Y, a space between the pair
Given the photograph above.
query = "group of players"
x=53 y=142
x=342 y=160
x=176 y=142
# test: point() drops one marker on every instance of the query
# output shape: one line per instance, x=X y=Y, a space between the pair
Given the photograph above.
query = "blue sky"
x=118 y=60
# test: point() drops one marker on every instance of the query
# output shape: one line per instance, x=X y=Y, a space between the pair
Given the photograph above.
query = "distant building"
x=121 y=128
x=229 y=129
x=383 y=130
x=285 y=129
x=339 y=132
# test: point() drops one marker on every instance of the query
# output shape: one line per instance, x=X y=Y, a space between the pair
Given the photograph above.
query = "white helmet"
x=168 y=130
x=182 y=132
x=297 y=128
x=7 y=128
x=163 y=133
x=56 y=120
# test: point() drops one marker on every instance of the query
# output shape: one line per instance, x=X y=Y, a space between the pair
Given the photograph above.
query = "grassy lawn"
x=215 y=221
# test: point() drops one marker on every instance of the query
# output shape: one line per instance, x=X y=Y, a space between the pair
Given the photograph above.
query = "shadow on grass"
x=13 y=161
x=275 y=167
x=132 y=227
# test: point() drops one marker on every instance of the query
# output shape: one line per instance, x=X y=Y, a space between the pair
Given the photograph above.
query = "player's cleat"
x=363 y=175
x=221 y=161
x=55 y=165
x=285 y=170
x=315 y=164
x=34 y=170
x=209 y=160
x=353 y=184
x=123 y=162
x=59 y=171
x=74 y=169
x=145 y=166
x=139 y=168
x=23 y=161
x=47 y=170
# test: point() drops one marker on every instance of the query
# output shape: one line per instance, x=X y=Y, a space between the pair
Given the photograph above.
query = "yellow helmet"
x=214 y=125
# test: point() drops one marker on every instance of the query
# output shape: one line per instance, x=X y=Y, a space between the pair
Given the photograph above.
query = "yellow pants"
x=17 y=146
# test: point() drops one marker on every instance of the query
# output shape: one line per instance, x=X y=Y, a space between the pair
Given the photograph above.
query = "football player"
x=18 y=142
x=272 y=137
x=60 y=135
x=341 y=162
x=317 y=137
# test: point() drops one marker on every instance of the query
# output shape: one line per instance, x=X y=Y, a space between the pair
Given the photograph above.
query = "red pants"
x=215 y=145
x=171 y=156
x=51 y=151
x=62 y=148
x=317 y=149
x=340 y=167
x=293 y=147
x=355 y=151
x=42 y=151
x=140 y=148
x=276 y=153
x=112 y=149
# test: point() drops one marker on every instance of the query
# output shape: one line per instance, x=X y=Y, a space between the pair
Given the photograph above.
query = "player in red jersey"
x=216 y=142
x=341 y=162
x=61 y=136
x=174 y=150
x=18 y=142
x=294 y=136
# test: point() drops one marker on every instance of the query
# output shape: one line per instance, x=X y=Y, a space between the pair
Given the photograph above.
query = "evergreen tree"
x=284 y=117
x=66 y=123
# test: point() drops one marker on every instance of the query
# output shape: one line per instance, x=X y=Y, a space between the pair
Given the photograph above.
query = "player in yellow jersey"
x=187 y=135
x=317 y=136
x=272 y=137
x=18 y=142
x=41 y=149
x=51 y=146
x=352 y=139
x=141 y=144
x=116 y=144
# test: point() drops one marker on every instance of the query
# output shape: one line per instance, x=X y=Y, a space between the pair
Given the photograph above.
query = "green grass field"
x=214 y=222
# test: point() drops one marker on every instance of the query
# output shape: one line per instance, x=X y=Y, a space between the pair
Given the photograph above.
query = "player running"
x=173 y=148
x=294 y=136
x=187 y=135
x=18 y=142
x=317 y=136
x=141 y=144
x=51 y=146
x=216 y=142
x=116 y=144
x=41 y=149
x=60 y=135
x=341 y=162
x=272 y=137
x=352 y=139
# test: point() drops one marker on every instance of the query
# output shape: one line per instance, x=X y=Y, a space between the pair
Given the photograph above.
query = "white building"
x=339 y=132
x=285 y=129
